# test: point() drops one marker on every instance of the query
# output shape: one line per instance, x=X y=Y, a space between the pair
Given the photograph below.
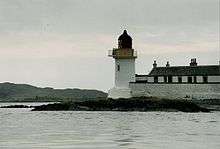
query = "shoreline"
x=132 y=104
x=143 y=104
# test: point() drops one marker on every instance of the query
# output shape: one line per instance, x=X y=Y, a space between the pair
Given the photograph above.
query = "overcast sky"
x=64 y=43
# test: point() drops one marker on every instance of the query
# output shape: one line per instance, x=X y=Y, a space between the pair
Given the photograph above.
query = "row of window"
x=190 y=79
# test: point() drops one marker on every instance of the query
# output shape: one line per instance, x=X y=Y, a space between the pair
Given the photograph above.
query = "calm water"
x=23 y=129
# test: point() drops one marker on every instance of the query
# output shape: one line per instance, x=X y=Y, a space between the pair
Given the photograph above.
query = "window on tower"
x=118 y=67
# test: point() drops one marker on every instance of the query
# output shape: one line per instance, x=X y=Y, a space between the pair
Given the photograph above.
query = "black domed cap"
x=124 y=41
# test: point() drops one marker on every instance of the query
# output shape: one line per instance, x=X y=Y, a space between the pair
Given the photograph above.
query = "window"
x=170 y=79
x=118 y=67
x=165 y=78
x=189 y=79
x=156 y=79
x=205 y=79
x=180 y=79
x=194 y=79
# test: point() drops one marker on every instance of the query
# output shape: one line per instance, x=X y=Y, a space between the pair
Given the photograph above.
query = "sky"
x=64 y=43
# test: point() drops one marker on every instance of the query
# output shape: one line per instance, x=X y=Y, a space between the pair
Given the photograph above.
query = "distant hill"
x=25 y=92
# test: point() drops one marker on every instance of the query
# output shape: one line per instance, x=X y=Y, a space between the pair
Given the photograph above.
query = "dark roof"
x=124 y=36
x=125 y=41
x=186 y=71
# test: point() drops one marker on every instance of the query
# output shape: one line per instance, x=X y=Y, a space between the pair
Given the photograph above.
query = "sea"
x=26 y=129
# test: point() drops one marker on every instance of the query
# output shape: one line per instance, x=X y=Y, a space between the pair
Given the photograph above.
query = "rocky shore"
x=17 y=106
x=132 y=104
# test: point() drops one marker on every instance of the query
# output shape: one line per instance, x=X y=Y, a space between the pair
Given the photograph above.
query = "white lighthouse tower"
x=124 y=57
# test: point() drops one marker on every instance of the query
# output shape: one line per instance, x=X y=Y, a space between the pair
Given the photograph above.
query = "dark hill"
x=25 y=92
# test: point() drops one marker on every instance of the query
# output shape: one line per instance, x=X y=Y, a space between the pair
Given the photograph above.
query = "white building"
x=189 y=82
x=124 y=57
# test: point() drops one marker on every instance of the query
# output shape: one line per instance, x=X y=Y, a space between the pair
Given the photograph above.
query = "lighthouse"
x=124 y=57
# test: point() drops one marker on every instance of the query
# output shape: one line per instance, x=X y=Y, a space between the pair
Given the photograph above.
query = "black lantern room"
x=125 y=41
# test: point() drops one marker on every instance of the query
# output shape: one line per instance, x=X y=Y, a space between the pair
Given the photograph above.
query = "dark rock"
x=17 y=106
x=132 y=104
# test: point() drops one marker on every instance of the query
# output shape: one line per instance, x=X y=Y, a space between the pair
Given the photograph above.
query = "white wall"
x=175 y=79
x=160 y=79
x=141 y=78
x=200 y=79
x=175 y=91
x=123 y=76
x=213 y=78
x=126 y=73
x=150 y=79
x=184 y=79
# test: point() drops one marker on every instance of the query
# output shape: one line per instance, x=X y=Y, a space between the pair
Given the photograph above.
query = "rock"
x=132 y=104
x=16 y=106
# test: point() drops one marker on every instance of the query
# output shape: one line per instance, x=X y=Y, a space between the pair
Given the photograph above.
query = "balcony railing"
x=122 y=53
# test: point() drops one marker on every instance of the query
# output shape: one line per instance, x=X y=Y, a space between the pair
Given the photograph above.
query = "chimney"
x=193 y=62
x=167 y=65
x=154 y=64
